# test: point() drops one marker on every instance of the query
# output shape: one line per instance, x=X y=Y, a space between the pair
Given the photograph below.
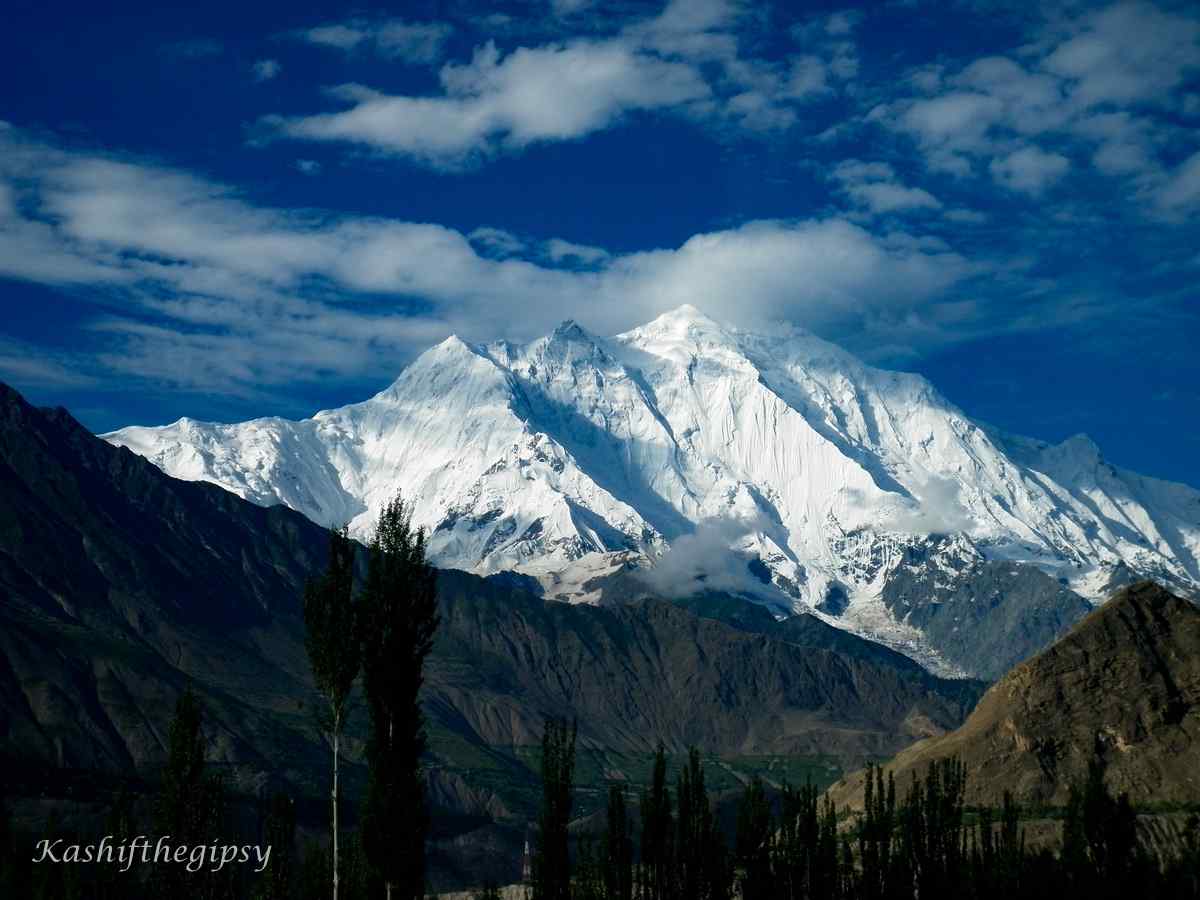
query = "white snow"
x=547 y=457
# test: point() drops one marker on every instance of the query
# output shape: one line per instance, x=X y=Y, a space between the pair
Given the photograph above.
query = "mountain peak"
x=454 y=342
x=684 y=316
x=571 y=330
x=678 y=331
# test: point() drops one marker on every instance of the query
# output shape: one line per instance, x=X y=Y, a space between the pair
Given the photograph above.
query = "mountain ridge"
x=1123 y=683
x=554 y=456
x=120 y=585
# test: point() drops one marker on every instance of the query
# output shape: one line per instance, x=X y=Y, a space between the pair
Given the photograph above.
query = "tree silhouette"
x=398 y=622
x=332 y=642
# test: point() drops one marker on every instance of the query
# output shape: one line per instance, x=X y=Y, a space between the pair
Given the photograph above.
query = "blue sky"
x=267 y=209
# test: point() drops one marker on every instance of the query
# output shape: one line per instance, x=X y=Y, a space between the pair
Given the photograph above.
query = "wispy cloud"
x=194 y=48
x=418 y=43
x=31 y=366
x=561 y=251
x=1029 y=169
x=498 y=102
x=266 y=69
x=221 y=294
x=686 y=61
x=1099 y=89
x=875 y=187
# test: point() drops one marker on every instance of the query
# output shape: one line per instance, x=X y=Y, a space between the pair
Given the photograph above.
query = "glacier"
x=574 y=456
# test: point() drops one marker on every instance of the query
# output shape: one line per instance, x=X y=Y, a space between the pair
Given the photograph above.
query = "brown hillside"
x=1125 y=681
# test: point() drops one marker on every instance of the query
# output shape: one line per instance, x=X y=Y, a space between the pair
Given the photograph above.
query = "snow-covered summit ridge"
x=557 y=454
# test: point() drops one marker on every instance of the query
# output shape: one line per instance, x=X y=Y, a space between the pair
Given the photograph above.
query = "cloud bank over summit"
x=252 y=295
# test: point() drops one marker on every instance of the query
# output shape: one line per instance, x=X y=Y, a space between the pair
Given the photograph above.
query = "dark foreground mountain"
x=1124 y=683
x=120 y=585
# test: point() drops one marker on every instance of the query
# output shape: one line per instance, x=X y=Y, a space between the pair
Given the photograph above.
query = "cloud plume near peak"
x=709 y=558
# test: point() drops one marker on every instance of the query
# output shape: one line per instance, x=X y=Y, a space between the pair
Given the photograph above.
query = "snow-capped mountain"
x=573 y=454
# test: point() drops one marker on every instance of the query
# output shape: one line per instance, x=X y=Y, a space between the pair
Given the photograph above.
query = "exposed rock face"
x=1125 y=681
x=120 y=584
x=986 y=617
x=638 y=673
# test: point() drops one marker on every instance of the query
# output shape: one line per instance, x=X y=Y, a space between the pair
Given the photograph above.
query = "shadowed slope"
x=1125 y=681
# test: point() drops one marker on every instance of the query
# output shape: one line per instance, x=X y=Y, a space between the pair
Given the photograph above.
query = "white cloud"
x=685 y=61
x=874 y=187
x=1102 y=79
x=950 y=127
x=936 y=509
x=561 y=251
x=222 y=294
x=266 y=69
x=341 y=37
x=1125 y=144
x=29 y=366
x=1029 y=169
x=1127 y=53
x=965 y=216
x=308 y=167
x=843 y=22
x=412 y=42
x=496 y=241
x=1180 y=193
x=568 y=7
x=708 y=558
x=497 y=102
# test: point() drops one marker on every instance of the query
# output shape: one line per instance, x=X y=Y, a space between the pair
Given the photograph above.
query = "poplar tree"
x=876 y=835
x=551 y=859
x=398 y=623
x=332 y=642
x=190 y=805
x=279 y=833
x=753 y=844
x=618 y=848
x=701 y=857
x=657 y=856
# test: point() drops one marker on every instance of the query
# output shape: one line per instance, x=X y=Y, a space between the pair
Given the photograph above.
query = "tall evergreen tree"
x=932 y=838
x=1101 y=853
x=111 y=882
x=190 y=805
x=701 y=858
x=618 y=848
x=332 y=642
x=657 y=846
x=279 y=833
x=753 y=843
x=14 y=862
x=398 y=622
x=876 y=834
x=551 y=858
